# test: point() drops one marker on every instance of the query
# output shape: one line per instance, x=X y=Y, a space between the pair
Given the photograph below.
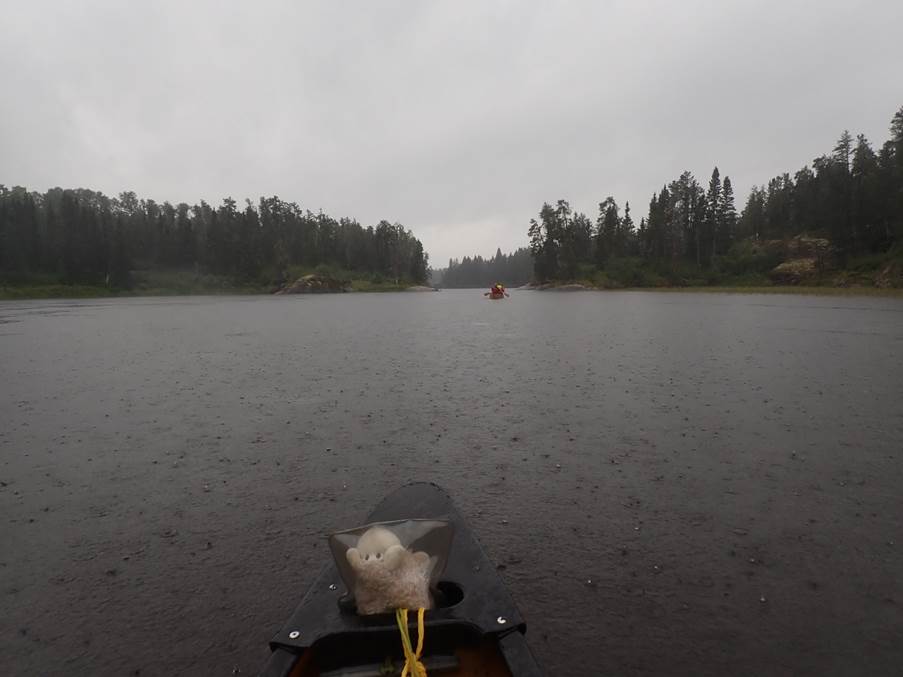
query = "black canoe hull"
x=476 y=624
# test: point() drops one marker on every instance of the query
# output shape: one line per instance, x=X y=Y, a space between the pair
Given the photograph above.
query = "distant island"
x=82 y=243
x=515 y=270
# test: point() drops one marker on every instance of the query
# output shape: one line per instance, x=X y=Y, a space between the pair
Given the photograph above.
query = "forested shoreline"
x=84 y=240
x=836 y=222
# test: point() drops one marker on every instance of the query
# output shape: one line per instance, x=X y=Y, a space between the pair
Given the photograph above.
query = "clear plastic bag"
x=392 y=565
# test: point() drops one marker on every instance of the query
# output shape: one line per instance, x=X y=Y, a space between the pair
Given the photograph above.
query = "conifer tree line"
x=852 y=197
x=513 y=270
x=82 y=236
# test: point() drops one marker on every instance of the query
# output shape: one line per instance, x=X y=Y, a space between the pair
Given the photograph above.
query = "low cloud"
x=456 y=119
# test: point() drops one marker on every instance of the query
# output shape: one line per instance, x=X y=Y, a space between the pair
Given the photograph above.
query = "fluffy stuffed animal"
x=387 y=575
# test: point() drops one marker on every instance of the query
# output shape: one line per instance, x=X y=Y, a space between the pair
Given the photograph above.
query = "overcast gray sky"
x=455 y=118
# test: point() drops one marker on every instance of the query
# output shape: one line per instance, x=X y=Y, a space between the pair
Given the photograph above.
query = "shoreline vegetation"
x=751 y=268
x=226 y=288
x=799 y=265
x=187 y=283
x=889 y=292
x=836 y=224
x=81 y=243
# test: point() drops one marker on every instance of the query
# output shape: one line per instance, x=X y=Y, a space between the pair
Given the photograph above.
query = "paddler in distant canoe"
x=497 y=292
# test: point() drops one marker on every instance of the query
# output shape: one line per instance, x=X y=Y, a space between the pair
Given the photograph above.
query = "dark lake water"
x=671 y=484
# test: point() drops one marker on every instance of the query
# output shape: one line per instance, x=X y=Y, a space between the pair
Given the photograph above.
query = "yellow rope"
x=412 y=658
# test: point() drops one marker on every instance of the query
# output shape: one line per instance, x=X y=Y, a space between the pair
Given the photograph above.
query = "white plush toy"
x=387 y=575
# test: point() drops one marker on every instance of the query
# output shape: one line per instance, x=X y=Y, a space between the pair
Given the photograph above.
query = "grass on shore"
x=371 y=286
x=186 y=283
x=156 y=283
x=53 y=291
x=779 y=289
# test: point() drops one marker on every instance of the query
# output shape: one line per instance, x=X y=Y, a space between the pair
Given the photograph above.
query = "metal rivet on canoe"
x=501 y=620
x=332 y=586
x=294 y=634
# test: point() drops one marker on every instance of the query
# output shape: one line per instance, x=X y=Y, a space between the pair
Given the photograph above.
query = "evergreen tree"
x=568 y=252
x=778 y=201
x=842 y=189
x=627 y=235
x=728 y=231
x=642 y=239
x=752 y=219
x=865 y=208
x=893 y=178
x=804 y=203
x=545 y=241
x=843 y=151
x=583 y=237
x=713 y=217
x=608 y=225
x=684 y=218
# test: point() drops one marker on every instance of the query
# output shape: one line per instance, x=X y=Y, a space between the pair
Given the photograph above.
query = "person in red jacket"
x=497 y=291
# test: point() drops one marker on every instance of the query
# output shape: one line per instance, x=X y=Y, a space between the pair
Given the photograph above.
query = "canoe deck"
x=475 y=629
